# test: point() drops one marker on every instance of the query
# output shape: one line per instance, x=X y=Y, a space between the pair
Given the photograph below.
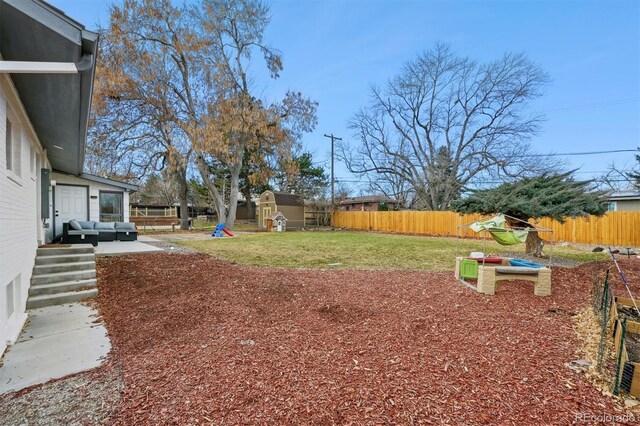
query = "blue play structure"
x=218 y=231
x=221 y=231
x=524 y=263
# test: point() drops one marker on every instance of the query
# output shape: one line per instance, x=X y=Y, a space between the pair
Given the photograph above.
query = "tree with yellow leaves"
x=173 y=91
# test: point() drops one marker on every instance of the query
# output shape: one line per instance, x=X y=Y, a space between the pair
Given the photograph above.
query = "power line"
x=595 y=105
x=571 y=154
x=333 y=139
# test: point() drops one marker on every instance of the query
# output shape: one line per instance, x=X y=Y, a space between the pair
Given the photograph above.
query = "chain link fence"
x=613 y=361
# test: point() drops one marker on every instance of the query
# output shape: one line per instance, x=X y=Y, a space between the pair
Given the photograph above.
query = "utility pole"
x=333 y=138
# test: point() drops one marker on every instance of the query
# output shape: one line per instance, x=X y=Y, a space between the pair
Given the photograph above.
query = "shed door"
x=70 y=202
x=266 y=212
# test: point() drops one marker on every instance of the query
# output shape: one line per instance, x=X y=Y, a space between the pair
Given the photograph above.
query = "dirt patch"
x=632 y=342
x=82 y=399
x=204 y=341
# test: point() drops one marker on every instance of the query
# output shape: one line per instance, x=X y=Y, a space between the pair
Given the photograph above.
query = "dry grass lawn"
x=360 y=250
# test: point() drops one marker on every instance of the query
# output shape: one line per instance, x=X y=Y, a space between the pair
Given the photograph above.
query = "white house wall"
x=21 y=229
x=94 y=193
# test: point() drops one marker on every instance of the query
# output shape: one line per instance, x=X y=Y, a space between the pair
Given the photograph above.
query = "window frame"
x=12 y=292
x=121 y=194
x=8 y=144
x=33 y=161
x=13 y=144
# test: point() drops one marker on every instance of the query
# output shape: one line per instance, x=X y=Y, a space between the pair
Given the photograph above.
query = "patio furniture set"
x=89 y=231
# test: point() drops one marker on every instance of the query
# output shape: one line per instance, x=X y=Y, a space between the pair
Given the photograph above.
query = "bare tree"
x=635 y=175
x=444 y=122
x=160 y=189
x=141 y=94
x=239 y=127
x=174 y=89
x=615 y=179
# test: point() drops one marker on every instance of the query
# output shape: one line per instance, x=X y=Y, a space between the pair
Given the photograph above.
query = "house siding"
x=94 y=191
x=627 y=205
x=21 y=230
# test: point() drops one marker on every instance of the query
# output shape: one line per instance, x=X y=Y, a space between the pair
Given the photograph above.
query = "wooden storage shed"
x=290 y=205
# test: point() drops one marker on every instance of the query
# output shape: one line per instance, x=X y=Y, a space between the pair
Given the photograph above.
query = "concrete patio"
x=117 y=248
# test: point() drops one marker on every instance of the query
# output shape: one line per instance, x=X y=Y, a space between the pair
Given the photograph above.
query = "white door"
x=70 y=203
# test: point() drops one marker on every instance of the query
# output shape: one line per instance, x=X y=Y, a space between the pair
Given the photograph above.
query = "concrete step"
x=58 y=277
x=63 y=287
x=56 y=251
x=65 y=258
x=64 y=267
x=60 y=298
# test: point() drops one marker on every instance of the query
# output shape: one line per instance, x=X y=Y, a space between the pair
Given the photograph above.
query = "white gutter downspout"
x=21 y=67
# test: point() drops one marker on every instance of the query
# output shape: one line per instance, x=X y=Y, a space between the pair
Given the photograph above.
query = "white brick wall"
x=20 y=225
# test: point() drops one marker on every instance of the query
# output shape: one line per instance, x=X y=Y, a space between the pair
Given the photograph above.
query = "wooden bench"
x=489 y=275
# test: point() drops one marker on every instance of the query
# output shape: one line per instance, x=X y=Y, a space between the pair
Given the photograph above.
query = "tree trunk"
x=180 y=177
x=535 y=244
x=184 y=213
x=251 y=213
x=218 y=199
x=233 y=196
x=184 y=202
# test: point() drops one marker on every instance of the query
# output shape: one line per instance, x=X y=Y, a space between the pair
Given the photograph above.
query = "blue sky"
x=334 y=50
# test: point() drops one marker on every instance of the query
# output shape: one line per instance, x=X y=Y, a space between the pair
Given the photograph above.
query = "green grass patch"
x=358 y=250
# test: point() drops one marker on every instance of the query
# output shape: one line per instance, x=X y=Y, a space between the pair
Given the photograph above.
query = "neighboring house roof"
x=57 y=104
x=111 y=182
x=369 y=199
x=287 y=199
x=623 y=195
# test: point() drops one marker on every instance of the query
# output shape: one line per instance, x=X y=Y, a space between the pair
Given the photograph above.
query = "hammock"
x=502 y=235
x=508 y=237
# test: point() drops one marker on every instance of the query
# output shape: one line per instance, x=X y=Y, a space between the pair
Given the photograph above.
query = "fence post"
x=605 y=304
x=616 y=380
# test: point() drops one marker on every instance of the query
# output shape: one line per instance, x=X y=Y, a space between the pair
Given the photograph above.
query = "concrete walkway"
x=57 y=341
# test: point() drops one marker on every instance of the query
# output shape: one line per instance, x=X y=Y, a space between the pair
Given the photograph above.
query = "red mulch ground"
x=205 y=341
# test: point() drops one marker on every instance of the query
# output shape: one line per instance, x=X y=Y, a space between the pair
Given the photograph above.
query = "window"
x=9 y=144
x=612 y=206
x=111 y=207
x=32 y=160
x=12 y=294
x=13 y=144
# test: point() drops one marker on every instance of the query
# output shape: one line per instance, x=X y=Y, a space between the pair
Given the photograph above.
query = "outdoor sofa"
x=89 y=231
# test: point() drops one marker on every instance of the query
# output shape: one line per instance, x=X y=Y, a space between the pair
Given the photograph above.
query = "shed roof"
x=288 y=199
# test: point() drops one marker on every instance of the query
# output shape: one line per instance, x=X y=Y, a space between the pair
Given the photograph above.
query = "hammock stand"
x=510 y=236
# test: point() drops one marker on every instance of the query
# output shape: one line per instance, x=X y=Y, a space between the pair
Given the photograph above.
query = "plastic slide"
x=218 y=231
x=226 y=231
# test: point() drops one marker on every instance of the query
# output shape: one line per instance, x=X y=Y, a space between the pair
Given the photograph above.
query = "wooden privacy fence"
x=614 y=228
